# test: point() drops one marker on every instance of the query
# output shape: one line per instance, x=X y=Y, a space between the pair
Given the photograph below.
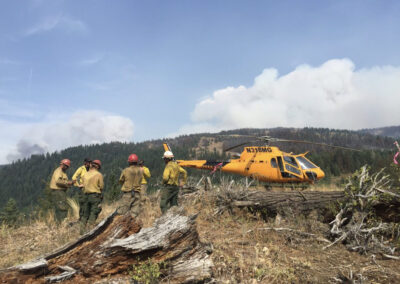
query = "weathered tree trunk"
x=115 y=245
x=277 y=202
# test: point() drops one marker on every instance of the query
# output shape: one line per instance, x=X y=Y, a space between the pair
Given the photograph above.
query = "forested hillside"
x=25 y=180
x=391 y=131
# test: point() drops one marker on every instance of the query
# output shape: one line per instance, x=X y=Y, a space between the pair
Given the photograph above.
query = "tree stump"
x=112 y=248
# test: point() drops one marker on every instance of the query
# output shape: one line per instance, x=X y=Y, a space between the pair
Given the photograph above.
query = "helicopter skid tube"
x=283 y=186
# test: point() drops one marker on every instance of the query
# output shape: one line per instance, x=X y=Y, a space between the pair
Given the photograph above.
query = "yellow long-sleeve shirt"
x=59 y=180
x=172 y=172
x=79 y=173
x=93 y=181
x=146 y=175
x=131 y=178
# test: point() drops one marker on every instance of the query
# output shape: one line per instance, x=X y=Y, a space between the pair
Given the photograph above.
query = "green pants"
x=130 y=202
x=59 y=204
x=169 y=197
x=91 y=207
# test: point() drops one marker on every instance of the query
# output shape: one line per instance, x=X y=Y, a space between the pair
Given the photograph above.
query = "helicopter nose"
x=315 y=174
x=320 y=173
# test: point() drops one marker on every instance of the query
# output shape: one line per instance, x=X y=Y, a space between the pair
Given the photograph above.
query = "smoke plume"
x=81 y=128
x=333 y=95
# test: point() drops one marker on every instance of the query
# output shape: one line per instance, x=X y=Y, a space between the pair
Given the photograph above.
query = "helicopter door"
x=281 y=167
x=292 y=167
x=276 y=172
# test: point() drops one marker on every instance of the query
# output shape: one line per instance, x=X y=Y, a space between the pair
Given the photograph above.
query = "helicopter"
x=265 y=163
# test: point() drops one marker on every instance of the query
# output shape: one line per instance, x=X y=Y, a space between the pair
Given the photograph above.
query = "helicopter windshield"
x=304 y=163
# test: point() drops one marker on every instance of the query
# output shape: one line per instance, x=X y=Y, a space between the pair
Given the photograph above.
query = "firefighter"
x=59 y=184
x=77 y=177
x=131 y=178
x=93 y=185
x=146 y=176
x=171 y=181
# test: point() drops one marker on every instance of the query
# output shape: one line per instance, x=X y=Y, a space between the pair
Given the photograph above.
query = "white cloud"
x=61 y=131
x=61 y=22
x=91 y=60
x=6 y=61
x=333 y=95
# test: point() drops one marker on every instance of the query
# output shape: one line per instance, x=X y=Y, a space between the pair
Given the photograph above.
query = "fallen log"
x=278 y=202
x=115 y=246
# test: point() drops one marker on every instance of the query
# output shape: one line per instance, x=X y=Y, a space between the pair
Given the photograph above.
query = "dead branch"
x=363 y=193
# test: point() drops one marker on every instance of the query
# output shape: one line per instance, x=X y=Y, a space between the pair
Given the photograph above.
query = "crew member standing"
x=131 y=178
x=77 y=177
x=146 y=176
x=171 y=182
x=59 y=184
x=93 y=185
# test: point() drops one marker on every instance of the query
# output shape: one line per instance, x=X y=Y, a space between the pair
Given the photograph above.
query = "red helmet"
x=97 y=162
x=133 y=158
x=66 y=162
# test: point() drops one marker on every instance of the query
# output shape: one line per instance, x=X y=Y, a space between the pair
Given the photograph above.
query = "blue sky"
x=158 y=68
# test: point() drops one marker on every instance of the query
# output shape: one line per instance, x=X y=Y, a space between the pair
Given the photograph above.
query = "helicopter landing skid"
x=286 y=186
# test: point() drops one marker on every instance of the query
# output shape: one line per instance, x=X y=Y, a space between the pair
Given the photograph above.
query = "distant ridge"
x=389 y=131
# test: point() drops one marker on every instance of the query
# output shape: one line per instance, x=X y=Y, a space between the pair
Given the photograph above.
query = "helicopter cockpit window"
x=273 y=163
x=291 y=164
x=290 y=160
x=305 y=164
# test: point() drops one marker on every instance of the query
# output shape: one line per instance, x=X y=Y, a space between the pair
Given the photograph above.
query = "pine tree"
x=10 y=213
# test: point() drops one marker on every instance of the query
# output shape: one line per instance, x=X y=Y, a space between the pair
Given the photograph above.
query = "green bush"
x=147 y=272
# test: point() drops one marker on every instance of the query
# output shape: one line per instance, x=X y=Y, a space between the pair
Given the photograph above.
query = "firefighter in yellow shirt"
x=171 y=182
x=93 y=185
x=146 y=176
x=77 y=177
x=59 y=184
x=131 y=178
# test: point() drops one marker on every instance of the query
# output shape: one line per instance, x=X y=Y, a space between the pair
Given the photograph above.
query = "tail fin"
x=166 y=147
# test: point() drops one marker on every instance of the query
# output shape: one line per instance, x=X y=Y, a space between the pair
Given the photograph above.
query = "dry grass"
x=33 y=240
x=74 y=208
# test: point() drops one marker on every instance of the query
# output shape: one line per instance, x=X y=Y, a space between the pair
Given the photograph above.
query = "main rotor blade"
x=241 y=144
x=315 y=143
x=238 y=136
